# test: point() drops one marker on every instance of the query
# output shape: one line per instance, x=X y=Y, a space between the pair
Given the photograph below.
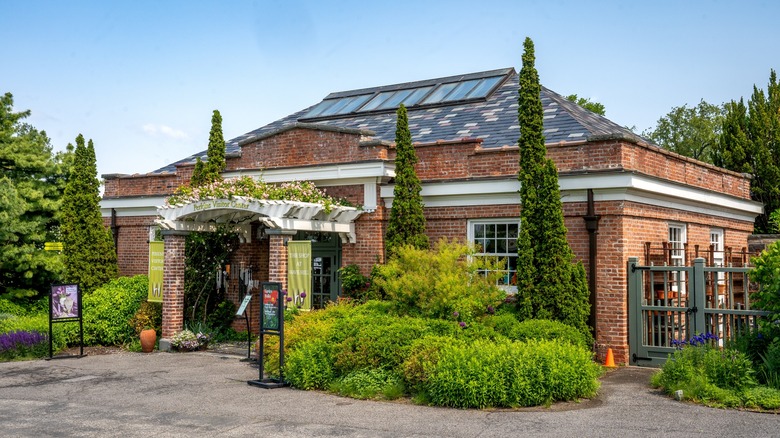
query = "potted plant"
x=146 y=321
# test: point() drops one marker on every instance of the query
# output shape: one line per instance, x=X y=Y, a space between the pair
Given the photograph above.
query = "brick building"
x=619 y=191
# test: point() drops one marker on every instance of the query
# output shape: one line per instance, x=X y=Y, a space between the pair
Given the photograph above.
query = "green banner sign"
x=299 y=273
x=156 y=264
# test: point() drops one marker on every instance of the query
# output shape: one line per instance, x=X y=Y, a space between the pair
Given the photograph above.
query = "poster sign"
x=271 y=311
x=65 y=301
x=156 y=264
x=299 y=272
x=244 y=303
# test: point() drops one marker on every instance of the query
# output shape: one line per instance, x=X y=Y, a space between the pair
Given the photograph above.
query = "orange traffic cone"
x=610 y=360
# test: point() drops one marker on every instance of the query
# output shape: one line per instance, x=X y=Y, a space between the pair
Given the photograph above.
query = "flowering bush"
x=20 y=344
x=186 y=340
x=302 y=191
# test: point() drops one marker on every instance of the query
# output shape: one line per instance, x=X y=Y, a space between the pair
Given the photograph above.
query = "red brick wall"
x=173 y=286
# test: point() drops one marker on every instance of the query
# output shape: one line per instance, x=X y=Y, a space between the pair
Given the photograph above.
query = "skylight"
x=432 y=92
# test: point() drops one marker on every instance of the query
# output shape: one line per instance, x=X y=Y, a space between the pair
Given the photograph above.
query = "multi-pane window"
x=677 y=244
x=716 y=241
x=498 y=237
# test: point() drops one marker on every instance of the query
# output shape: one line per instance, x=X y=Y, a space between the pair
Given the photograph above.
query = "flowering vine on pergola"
x=238 y=202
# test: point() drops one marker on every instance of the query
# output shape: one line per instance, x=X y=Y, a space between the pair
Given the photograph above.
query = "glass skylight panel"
x=416 y=95
x=338 y=107
x=439 y=93
x=461 y=90
x=395 y=100
x=484 y=86
x=379 y=99
x=320 y=107
x=354 y=103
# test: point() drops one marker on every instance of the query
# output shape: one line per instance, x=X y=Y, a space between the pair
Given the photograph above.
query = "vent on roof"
x=414 y=94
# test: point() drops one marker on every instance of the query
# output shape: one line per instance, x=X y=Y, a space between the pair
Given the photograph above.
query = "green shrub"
x=369 y=384
x=507 y=374
x=148 y=316
x=310 y=365
x=10 y=308
x=354 y=284
x=423 y=355
x=762 y=397
x=441 y=283
x=766 y=267
x=728 y=369
x=221 y=318
x=545 y=329
x=108 y=310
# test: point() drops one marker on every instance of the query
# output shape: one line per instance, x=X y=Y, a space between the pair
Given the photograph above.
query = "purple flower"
x=455 y=314
x=491 y=310
x=288 y=299
x=462 y=324
x=303 y=294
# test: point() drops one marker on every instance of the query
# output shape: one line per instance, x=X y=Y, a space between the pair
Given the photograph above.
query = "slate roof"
x=494 y=120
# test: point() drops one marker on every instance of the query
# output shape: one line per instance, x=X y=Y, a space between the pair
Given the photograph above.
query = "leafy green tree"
x=205 y=173
x=407 y=221
x=750 y=142
x=690 y=131
x=31 y=185
x=594 y=107
x=550 y=285
x=90 y=255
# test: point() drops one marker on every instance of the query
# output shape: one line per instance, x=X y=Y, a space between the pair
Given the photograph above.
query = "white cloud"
x=156 y=130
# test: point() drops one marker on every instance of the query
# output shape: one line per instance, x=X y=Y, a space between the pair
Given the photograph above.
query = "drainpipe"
x=115 y=231
x=592 y=225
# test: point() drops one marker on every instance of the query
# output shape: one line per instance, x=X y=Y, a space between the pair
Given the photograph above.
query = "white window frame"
x=716 y=240
x=677 y=251
x=511 y=247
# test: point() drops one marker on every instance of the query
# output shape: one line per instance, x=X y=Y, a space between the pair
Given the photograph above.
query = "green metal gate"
x=670 y=304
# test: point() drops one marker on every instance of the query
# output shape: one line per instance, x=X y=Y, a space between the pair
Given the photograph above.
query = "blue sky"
x=141 y=78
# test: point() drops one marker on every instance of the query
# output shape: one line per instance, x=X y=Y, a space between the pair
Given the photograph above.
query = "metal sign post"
x=271 y=323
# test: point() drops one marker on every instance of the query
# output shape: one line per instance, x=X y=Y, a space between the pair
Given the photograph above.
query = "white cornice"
x=325 y=175
x=607 y=187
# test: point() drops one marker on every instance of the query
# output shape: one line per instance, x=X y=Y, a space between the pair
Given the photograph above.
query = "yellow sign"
x=299 y=273
x=156 y=265
x=52 y=246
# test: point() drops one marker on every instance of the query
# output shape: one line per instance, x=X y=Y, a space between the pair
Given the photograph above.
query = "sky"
x=141 y=78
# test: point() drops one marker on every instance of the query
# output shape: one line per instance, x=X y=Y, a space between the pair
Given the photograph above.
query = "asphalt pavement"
x=205 y=394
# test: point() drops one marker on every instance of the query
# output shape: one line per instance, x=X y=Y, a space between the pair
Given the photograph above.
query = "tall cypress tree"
x=90 y=255
x=211 y=170
x=407 y=221
x=550 y=286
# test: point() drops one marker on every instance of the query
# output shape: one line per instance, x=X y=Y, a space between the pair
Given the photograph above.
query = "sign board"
x=53 y=246
x=244 y=303
x=271 y=312
x=65 y=302
x=156 y=265
x=299 y=272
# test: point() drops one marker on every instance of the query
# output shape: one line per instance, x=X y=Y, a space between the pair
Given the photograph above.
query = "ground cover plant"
x=715 y=376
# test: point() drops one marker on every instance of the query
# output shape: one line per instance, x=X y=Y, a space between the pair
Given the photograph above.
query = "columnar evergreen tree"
x=90 y=255
x=550 y=285
x=407 y=221
x=750 y=142
x=211 y=170
x=31 y=185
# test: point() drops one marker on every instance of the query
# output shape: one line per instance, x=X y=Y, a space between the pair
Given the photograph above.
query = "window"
x=677 y=241
x=498 y=237
x=716 y=242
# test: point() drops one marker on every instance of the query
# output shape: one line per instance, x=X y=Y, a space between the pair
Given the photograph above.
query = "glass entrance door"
x=323 y=276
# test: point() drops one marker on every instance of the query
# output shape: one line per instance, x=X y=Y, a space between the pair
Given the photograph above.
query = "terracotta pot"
x=148 y=338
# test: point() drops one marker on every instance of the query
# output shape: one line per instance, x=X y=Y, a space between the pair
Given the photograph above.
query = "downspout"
x=592 y=225
x=115 y=231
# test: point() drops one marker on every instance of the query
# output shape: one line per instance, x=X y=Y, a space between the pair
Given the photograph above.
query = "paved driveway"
x=206 y=395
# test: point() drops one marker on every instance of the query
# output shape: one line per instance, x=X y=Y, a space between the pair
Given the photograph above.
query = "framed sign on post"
x=271 y=323
x=242 y=312
x=65 y=306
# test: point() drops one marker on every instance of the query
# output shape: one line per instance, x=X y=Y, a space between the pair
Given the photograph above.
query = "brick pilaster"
x=277 y=255
x=173 y=287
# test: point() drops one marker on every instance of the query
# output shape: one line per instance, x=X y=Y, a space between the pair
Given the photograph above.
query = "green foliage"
x=750 y=142
x=423 y=354
x=690 y=131
x=550 y=285
x=148 y=316
x=355 y=285
x=594 y=107
x=221 y=318
x=90 y=255
x=762 y=397
x=406 y=225
x=109 y=309
x=211 y=171
x=447 y=282
x=310 y=365
x=369 y=384
x=205 y=254
x=33 y=179
x=541 y=329
x=509 y=374
x=766 y=272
